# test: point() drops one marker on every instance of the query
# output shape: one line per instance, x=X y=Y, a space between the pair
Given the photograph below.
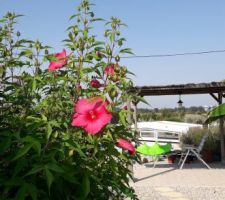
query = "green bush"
x=43 y=156
x=194 y=136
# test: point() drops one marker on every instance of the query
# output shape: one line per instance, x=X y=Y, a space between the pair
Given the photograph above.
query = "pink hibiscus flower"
x=125 y=144
x=61 y=60
x=109 y=70
x=95 y=83
x=91 y=114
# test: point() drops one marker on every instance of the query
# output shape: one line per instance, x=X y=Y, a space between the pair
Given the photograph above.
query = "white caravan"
x=163 y=132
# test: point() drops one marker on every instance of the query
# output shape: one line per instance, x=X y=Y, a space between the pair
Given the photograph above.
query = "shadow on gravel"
x=153 y=175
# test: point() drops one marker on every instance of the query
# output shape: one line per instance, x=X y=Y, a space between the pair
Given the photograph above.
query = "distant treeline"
x=193 y=114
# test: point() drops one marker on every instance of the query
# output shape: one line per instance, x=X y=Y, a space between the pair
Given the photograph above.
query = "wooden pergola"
x=215 y=89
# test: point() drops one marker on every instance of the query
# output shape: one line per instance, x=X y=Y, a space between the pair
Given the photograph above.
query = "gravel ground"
x=203 y=193
x=191 y=193
x=148 y=193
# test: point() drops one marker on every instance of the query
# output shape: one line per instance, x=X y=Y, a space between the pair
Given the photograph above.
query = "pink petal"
x=61 y=54
x=95 y=127
x=62 y=60
x=79 y=120
x=125 y=144
x=84 y=105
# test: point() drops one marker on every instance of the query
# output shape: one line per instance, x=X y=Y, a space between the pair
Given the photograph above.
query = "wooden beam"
x=215 y=97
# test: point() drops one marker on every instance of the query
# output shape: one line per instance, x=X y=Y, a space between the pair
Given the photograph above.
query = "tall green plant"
x=54 y=144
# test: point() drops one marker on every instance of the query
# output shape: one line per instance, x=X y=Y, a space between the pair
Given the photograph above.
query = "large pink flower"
x=91 y=114
x=125 y=144
x=60 y=61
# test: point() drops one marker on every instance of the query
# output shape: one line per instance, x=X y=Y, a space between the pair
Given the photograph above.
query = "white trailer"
x=163 y=132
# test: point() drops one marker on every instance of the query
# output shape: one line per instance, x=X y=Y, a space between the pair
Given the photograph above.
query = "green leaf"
x=49 y=130
x=23 y=151
x=97 y=19
x=122 y=117
x=126 y=51
x=5 y=144
x=216 y=113
x=49 y=178
x=35 y=169
x=85 y=185
x=55 y=167
x=32 y=191
x=34 y=85
x=73 y=16
x=20 y=195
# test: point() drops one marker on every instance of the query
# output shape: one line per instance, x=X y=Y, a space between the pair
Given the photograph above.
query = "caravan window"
x=147 y=134
x=167 y=135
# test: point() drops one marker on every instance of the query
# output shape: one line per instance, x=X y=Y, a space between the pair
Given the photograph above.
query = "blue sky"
x=154 y=27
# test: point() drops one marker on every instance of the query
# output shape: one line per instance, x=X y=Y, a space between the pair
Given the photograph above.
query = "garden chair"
x=194 y=151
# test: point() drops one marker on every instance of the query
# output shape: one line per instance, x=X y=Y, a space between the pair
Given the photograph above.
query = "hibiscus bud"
x=117 y=69
x=117 y=58
x=108 y=50
x=30 y=56
x=71 y=152
x=85 y=21
x=81 y=58
x=46 y=51
x=18 y=34
x=120 y=42
x=113 y=93
x=125 y=107
x=55 y=134
x=106 y=33
x=113 y=25
x=95 y=83
x=78 y=88
x=92 y=14
x=123 y=71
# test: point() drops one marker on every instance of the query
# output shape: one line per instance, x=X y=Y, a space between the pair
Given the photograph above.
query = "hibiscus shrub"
x=65 y=131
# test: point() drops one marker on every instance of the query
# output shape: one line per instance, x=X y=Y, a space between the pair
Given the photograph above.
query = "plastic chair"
x=192 y=150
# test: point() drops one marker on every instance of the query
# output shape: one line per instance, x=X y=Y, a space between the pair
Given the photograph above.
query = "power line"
x=175 y=54
x=166 y=55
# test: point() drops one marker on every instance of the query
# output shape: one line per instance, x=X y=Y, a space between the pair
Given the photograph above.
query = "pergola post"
x=135 y=118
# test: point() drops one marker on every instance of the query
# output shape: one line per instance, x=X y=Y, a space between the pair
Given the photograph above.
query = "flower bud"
x=108 y=50
x=92 y=14
x=95 y=83
x=18 y=34
x=117 y=58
